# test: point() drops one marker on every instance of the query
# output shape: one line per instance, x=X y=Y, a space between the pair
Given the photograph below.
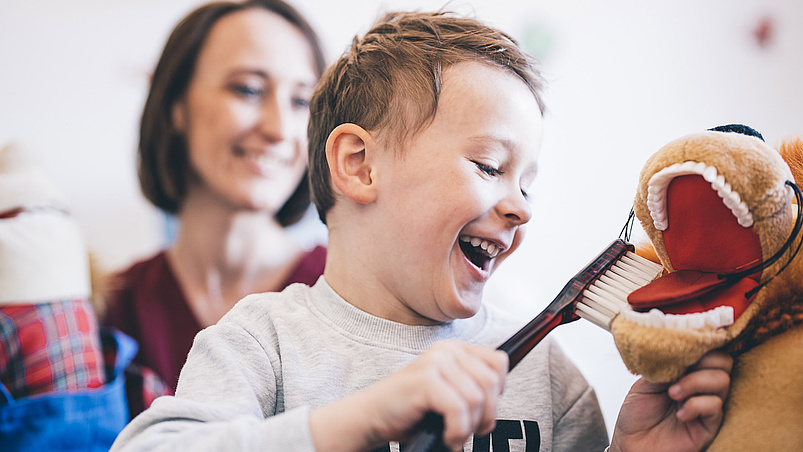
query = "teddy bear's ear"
x=792 y=152
x=738 y=128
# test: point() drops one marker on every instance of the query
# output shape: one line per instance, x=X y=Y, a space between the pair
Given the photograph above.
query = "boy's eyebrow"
x=506 y=143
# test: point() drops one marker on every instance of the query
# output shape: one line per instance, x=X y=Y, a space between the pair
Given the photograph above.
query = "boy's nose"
x=515 y=208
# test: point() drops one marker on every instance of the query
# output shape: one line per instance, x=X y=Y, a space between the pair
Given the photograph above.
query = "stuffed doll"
x=61 y=384
x=723 y=214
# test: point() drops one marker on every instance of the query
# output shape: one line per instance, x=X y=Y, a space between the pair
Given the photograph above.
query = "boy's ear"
x=349 y=151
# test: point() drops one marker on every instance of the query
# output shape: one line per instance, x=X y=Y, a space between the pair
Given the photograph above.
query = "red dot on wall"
x=764 y=31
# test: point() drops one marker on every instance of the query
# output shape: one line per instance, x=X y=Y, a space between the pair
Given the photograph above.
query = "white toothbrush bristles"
x=606 y=297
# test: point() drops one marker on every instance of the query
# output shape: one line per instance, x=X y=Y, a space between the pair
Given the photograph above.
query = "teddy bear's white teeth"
x=719 y=317
x=710 y=174
x=718 y=183
x=488 y=248
x=656 y=192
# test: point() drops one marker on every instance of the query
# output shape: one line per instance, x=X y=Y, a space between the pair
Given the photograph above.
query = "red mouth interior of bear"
x=703 y=240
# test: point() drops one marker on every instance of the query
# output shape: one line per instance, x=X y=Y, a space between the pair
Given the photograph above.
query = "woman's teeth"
x=262 y=159
x=266 y=160
x=488 y=248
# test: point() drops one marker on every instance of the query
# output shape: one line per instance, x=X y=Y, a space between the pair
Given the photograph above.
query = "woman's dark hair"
x=163 y=161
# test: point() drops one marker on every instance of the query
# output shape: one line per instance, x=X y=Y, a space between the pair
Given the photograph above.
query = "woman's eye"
x=489 y=170
x=247 y=91
x=301 y=102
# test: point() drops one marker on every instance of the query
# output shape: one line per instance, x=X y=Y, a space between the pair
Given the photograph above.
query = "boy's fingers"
x=486 y=370
x=500 y=361
x=491 y=378
x=466 y=381
x=486 y=386
x=445 y=397
x=457 y=424
x=472 y=397
x=487 y=367
x=493 y=358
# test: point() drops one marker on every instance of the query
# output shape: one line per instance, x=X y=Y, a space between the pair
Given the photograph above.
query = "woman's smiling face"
x=245 y=111
x=454 y=202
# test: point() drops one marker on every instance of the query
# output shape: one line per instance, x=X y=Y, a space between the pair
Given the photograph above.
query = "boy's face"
x=452 y=206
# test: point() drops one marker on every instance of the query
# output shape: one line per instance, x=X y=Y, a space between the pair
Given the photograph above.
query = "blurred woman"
x=223 y=147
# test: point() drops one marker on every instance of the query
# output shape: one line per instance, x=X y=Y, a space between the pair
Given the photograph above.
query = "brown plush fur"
x=765 y=408
x=792 y=152
x=786 y=311
x=783 y=313
x=663 y=357
x=759 y=172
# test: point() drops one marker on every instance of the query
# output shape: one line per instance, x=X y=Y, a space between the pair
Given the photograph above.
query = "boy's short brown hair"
x=390 y=80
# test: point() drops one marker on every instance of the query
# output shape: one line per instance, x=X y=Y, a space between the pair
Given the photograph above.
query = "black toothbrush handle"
x=429 y=437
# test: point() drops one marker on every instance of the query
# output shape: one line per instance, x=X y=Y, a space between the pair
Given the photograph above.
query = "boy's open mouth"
x=708 y=234
x=478 y=251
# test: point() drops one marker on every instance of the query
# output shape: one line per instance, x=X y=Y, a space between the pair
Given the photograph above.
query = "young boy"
x=423 y=142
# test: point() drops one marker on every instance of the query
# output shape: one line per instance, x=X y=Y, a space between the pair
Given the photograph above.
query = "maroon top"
x=149 y=306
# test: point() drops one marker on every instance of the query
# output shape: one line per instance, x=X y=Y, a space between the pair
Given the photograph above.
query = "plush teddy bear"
x=723 y=214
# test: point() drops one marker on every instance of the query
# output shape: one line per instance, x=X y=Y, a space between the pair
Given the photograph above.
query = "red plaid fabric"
x=50 y=347
x=143 y=386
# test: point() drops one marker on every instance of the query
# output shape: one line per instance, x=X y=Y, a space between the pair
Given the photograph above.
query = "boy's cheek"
x=517 y=239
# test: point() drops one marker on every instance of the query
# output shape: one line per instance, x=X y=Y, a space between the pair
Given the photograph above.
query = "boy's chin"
x=464 y=307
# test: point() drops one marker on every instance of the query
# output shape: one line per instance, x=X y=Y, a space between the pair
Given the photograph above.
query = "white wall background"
x=626 y=77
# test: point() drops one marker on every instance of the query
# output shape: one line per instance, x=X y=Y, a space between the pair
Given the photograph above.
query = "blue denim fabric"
x=87 y=420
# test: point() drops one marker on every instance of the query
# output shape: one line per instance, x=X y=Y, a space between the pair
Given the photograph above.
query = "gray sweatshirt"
x=251 y=379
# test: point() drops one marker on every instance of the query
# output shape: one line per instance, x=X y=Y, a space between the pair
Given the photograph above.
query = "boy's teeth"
x=489 y=248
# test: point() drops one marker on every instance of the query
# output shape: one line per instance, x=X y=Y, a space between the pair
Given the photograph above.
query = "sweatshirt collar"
x=350 y=320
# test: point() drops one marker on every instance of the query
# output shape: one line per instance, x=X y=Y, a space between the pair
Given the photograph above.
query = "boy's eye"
x=489 y=170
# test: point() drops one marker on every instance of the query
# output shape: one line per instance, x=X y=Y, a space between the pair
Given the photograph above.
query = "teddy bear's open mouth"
x=708 y=234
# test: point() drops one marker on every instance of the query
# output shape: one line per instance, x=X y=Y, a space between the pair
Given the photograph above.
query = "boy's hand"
x=684 y=416
x=460 y=381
